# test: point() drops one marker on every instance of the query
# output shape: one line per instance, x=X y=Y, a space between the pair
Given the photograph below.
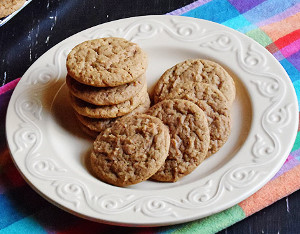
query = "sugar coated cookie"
x=9 y=6
x=189 y=134
x=99 y=125
x=106 y=95
x=130 y=151
x=215 y=106
x=106 y=62
x=108 y=111
x=196 y=70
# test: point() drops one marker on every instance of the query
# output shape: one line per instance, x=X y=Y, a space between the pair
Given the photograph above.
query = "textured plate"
x=51 y=152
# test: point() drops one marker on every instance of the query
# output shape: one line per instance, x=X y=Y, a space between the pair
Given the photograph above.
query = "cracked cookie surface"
x=215 y=106
x=195 y=70
x=106 y=62
x=130 y=151
x=108 y=111
x=189 y=137
x=105 y=95
x=9 y=6
x=96 y=125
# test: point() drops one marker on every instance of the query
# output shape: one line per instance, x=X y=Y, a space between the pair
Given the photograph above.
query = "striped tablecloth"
x=275 y=24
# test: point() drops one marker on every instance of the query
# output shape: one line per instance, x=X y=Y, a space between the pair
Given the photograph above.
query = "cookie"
x=9 y=6
x=98 y=125
x=215 y=106
x=131 y=150
x=108 y=111
x=107 y=95
x=196 y=70
x=106 y=62
x=189 y=134
x=93 y=134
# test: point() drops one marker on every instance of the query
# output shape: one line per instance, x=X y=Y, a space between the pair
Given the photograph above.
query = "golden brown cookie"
x=215 y=106
x=98 y=125
x=131 y=150
x=106 y=95
x=189 y=134
x=195 y=70
x=108 y=111
x=93 y=134
x=106 y=62
x=9 y=6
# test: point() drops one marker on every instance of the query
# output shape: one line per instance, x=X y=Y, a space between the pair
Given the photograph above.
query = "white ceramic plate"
x=51 y=152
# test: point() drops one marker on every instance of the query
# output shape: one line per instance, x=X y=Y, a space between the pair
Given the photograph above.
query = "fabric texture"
x=272 y=23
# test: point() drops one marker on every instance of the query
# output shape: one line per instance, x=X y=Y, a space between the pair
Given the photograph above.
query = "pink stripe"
x=9 y=86
x=290 y=11
x=291 y=48
x=189 y=7
x=290 y=157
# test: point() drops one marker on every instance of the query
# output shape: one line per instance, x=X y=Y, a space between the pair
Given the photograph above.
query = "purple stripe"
x=9 y=86
x=266 y=10
x=189 y=7
x=295 y=60
x=243 y=6
x=295 y=153
x=288 y=165
x=278 y=55
x=291 y=11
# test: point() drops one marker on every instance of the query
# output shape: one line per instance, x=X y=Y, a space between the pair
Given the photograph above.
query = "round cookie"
x=89 y=132
x=98 y=125
x=107 y=95
x=106 y=62
x=9 y=6
x=214 y=105
x=189 y=137
x=130 y=151
x=195 y=70
x=108 y=111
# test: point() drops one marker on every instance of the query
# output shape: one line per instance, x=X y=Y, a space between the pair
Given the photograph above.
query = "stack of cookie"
x=106 y=80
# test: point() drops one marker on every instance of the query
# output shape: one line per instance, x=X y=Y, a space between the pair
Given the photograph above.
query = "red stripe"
x=287 y=39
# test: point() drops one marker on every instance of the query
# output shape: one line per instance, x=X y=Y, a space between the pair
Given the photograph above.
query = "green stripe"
x=211 y=224
x=260 y=36
x=297 y=142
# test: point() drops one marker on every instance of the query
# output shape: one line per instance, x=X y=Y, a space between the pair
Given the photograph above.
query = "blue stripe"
x=8 y=212
x=267 y=9
x=297 y=88
x=18 y=203
x=248 y=28
x=237 y=22
x=293 y=73
x=27 y=225
x=218 y=11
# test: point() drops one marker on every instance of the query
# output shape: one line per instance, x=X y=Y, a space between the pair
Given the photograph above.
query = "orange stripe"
x=283 y=27
x=276 y=189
